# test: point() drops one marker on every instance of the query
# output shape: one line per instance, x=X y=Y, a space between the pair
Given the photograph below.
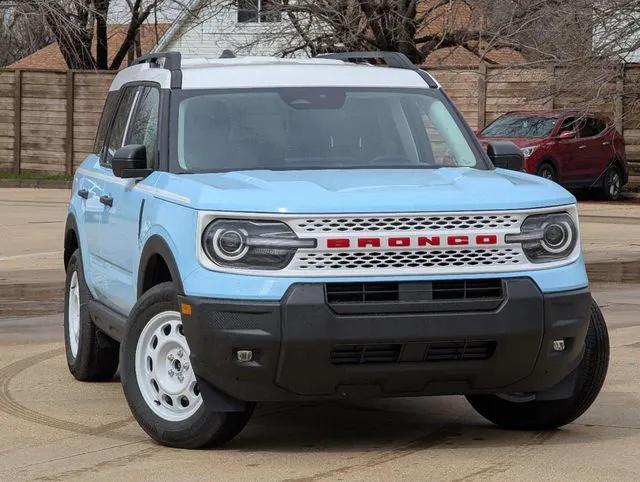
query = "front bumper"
x=416 y=344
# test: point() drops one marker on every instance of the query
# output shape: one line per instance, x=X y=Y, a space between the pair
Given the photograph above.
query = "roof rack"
x=228 y=54
x=395 y=60
x=172 y=62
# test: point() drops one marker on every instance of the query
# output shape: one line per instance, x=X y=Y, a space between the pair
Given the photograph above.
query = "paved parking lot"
x=54 y=428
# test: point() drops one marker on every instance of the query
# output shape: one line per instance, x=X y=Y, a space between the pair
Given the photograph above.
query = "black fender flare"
x=156 y=245
x=70 y=228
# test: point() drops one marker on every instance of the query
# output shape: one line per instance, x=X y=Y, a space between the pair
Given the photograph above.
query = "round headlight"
x=556 y=237
x=229 y=244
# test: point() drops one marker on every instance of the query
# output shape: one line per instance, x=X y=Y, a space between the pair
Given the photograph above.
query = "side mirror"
x=130 y=162
x=567 y=135
x=506 y=155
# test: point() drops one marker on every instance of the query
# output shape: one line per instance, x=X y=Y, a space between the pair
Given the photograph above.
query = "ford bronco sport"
x=258 y=229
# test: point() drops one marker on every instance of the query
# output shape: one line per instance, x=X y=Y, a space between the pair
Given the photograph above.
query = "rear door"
x=595 y=152
x=122 y=220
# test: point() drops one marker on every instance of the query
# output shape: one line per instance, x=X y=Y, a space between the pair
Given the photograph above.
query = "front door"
x=123 y=218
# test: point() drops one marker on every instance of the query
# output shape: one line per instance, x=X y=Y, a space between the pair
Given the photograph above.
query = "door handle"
x=606 y=143
x=83 y=193
x=583 y=147
x=106 y=200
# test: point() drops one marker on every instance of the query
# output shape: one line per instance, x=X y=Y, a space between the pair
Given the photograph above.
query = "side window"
x=589 y=127
x=144 y=125
x=568 y=125
x=116 y=136
x=258 y=11
x=107 y=114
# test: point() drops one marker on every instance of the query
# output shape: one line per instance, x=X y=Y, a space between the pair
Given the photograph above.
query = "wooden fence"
x=48 y=119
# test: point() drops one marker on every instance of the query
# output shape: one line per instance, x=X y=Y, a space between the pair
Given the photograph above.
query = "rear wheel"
x=611 y=184
x=91 y=355
x=547 y=171
x=159 y=383
x=523 y=411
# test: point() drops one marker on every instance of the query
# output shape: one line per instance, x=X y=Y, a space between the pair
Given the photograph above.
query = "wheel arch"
x=71 y=239
x=155 y=257
x=548 y=160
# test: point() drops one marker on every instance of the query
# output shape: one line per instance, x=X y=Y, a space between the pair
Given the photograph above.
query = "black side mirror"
x=130 y=162
x=506 y=155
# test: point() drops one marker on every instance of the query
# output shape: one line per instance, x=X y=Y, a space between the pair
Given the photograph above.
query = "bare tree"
x=77 y=24
x=20 y=37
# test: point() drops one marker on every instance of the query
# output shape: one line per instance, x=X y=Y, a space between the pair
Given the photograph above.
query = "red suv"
x=569 y=147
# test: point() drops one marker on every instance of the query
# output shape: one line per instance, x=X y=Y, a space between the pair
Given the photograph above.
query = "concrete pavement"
x=55 y=428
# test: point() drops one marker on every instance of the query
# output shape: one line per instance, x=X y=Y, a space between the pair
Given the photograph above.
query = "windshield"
x=317 y=128
x=520 y=126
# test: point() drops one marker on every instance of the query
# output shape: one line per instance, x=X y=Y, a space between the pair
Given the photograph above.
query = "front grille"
x=406 y=223
x=412 y=352
x=412 y=292
x=375 y=260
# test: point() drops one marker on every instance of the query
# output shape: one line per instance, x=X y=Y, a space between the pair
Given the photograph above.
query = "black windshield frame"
x=178 y=96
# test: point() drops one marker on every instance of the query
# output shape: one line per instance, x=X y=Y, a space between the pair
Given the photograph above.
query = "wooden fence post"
x=17 y=121
x=70 y=109
x=551 y=101
x=618 y=102
x=482 y=96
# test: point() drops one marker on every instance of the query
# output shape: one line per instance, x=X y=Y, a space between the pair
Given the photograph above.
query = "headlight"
x=527 y=151
x=546 y=237
x=264 y=245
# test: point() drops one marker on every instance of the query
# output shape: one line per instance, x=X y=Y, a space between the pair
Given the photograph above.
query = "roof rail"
x=394 y=60
x=227 y=54
x=172 y=62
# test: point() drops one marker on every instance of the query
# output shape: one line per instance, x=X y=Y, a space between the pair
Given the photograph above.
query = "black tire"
x=546 y=415
x=96 y=358
x=547 y=171
x=611 y=184
x=204 y=427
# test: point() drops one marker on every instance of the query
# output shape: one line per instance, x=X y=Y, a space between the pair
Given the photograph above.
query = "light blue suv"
x=260 y=229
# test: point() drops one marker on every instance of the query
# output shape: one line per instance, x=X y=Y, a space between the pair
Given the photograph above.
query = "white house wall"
x=211 y=33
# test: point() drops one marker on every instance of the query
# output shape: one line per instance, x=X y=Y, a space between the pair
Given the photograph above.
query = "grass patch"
x=35 y=176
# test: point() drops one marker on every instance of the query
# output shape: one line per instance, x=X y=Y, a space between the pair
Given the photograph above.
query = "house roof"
x=50 y=56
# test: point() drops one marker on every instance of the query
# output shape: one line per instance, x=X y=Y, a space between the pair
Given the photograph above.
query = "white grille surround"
x=407 y=243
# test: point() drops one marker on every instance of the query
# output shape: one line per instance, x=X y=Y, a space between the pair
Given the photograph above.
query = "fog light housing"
x=244 y=356
x=559 y=345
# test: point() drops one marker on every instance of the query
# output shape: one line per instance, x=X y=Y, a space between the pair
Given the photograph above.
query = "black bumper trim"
x=292 y=342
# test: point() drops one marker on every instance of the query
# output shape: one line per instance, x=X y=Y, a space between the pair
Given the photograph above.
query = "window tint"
x=144 y=126
x=116 y=137
x=258 y=11
x=591 y=127
x=105 y=120
x=568 y=125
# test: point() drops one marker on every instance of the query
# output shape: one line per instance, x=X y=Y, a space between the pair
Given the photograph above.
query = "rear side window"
x=591 y=127
x=144 y=125
x=105 y=120
x=119 y=126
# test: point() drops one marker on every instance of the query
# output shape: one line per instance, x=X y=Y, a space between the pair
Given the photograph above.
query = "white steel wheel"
x=163 y=369
x=74 y=314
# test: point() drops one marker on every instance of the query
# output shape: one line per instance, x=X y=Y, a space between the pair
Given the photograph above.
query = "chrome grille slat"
x=405 y=223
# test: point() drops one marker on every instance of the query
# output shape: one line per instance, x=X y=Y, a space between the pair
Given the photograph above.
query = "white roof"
x=260 y=72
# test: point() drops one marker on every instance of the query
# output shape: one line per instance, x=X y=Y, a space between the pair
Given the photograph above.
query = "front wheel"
x=547 y=171
x=159 y=383
x=523 y=411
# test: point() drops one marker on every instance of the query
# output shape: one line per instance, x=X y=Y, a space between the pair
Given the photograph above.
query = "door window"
x=119 y=126
x=568 y=125
x=107 y=114
x=591 y=127
x=144 y=126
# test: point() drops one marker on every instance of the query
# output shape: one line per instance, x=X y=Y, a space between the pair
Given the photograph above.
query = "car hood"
x=359 y=191
x=518 y=141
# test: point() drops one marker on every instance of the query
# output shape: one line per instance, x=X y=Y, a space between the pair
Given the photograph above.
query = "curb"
x=35 y=183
